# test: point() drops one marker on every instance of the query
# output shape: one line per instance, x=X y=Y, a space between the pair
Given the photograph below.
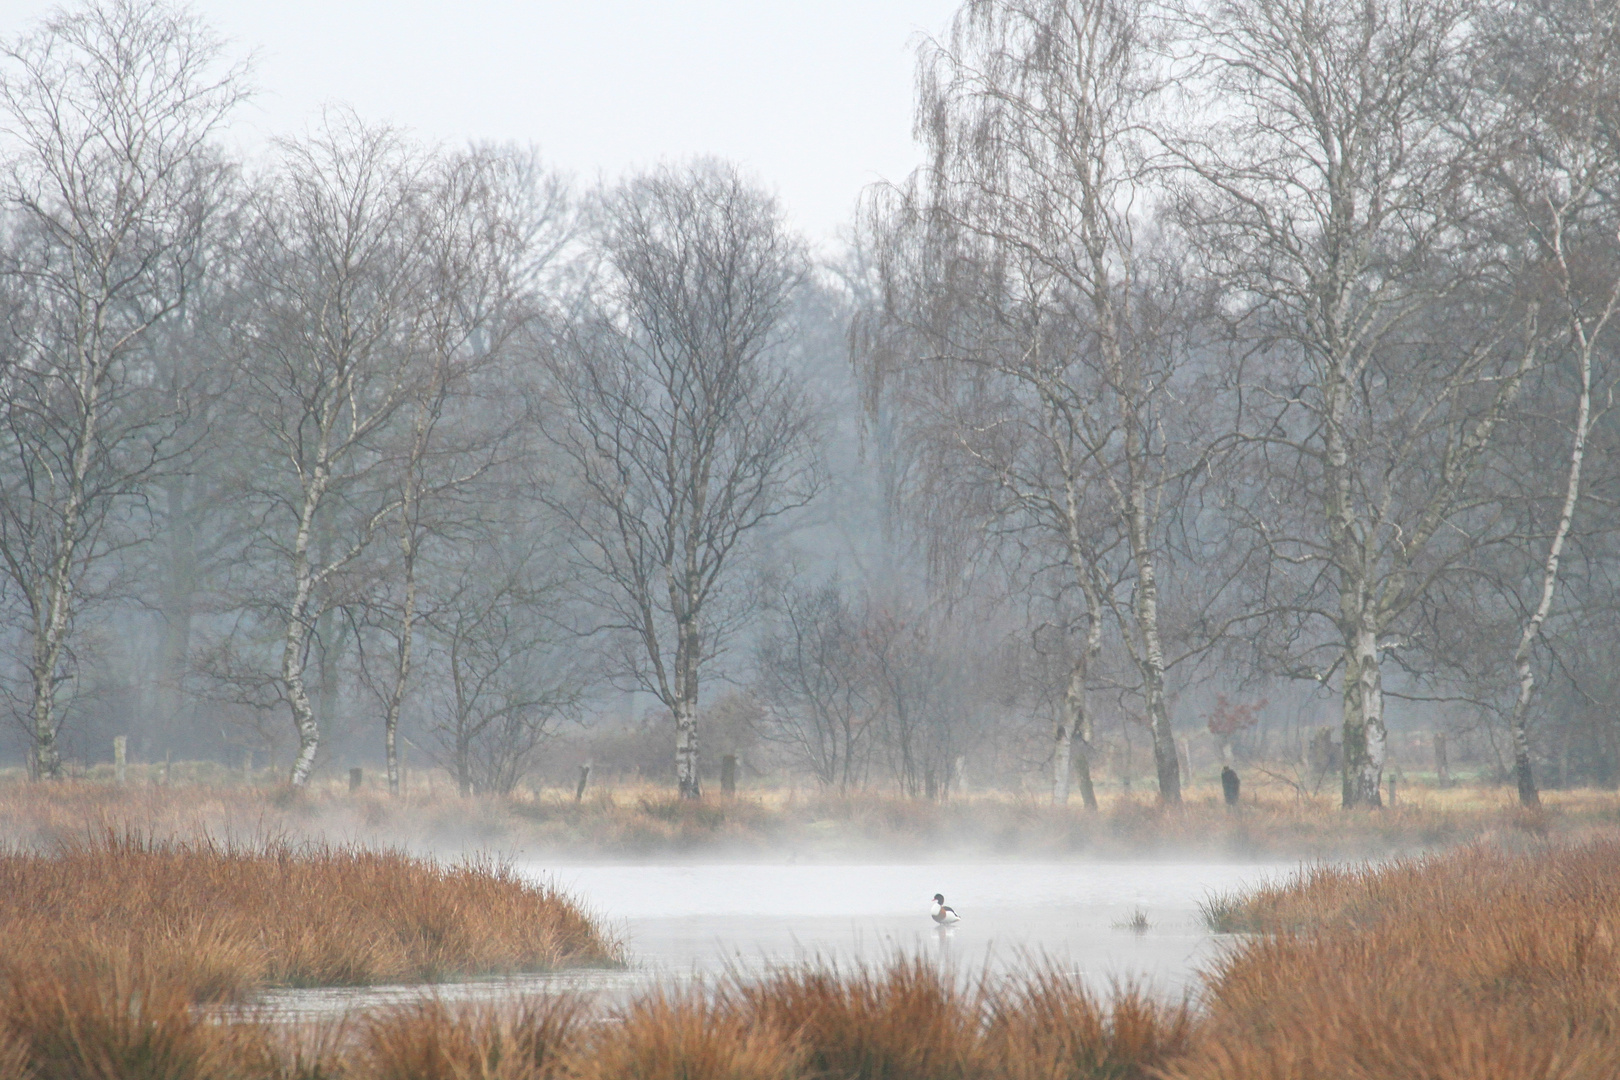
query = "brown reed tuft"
x=217 y=920
x=1475 y=964
x=1047 y=1025
x=685 y=1035
x=436 y=1041
x=910 y=1020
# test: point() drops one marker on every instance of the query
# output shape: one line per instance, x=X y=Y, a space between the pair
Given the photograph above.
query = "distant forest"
x=1232 y=382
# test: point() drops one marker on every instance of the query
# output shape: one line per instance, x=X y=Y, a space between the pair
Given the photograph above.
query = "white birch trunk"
x=1528 y=795
x=295 y=643
x=1365 y=737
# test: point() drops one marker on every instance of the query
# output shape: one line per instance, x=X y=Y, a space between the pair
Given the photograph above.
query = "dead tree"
x=682 y=431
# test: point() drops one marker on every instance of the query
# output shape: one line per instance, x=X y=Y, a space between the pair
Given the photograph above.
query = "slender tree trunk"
x=402 y=668
x=1164 y=738
x=295 y=644
x=1075 y=731
x=687 y=778
x=1061 y=767
x=303 y=714
x=1364 y=734
x=47 y=759
x=1528 y=795
x=51 y=630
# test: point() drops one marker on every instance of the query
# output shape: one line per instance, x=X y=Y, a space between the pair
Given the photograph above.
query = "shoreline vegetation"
x=1471 y=964
x=651 y=822
x=215 y=921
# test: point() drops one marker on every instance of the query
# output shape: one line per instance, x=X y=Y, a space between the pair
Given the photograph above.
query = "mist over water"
x=685 y=921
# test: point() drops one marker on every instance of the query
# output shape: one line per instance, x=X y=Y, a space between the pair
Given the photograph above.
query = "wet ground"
x=682 y=921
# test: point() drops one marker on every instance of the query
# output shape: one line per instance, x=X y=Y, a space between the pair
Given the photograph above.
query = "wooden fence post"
x=356 y=777
x=584 y=778
x=728 y=775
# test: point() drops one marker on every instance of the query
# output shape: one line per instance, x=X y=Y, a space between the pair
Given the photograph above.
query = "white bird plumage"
x=943 y=915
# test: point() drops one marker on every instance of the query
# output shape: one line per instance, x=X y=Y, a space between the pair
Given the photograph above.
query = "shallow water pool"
x=701 y=919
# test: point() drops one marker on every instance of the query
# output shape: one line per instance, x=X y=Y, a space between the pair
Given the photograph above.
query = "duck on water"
x=943 y=914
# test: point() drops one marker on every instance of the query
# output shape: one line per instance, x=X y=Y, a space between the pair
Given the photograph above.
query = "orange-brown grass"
x=1476 y=964
x=122 y=1024
x=907 y=1020
x=522 y=1041
x=650 y=820
x=215 y=920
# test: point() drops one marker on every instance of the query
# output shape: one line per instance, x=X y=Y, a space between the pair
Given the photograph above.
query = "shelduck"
x=945 y=916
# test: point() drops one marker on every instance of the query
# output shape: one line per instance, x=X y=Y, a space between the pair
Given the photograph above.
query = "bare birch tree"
x=1034 y=304
x=1559 y=67
x=110 y=190
x=333 y=355
x=494 y=220
x=1330 y=191
x=682 y=431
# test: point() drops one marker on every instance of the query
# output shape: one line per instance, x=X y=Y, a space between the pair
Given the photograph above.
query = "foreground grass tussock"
x=214 y=921
x=1474 y=964
x=907 y=1021
x=650 y=821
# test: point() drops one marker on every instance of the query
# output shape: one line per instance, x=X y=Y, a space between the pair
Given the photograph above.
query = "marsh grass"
x=217 y=920
x=1136 y=922
x=1474 y=964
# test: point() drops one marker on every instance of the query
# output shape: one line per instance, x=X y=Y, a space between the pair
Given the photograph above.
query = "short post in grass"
x=356 y=777
x=1392 y=789
x=584 y=778
x=119 y=743
x=728 y=775
x=1231 y=786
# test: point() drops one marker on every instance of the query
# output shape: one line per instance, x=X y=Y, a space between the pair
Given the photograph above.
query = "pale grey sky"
x=813 y=97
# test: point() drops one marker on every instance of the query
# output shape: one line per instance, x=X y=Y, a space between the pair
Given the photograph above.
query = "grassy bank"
x=1476 y=963
x=214 y=921
x=648 y=822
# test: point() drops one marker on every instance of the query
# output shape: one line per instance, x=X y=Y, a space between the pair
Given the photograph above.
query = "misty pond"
x=701 y=919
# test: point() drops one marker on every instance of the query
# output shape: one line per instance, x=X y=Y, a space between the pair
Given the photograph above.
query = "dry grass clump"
x=907 y=1020
x=432 y=1040
x=120 y=1024
x=216 y=920
x=1476 y=964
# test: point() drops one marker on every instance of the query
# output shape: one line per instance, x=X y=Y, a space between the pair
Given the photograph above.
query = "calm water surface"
x=682 y=921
